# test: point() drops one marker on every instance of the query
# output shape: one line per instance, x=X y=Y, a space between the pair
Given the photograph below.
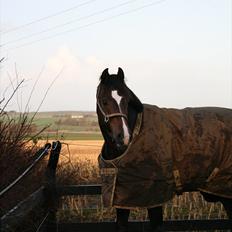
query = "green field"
x=66 y=125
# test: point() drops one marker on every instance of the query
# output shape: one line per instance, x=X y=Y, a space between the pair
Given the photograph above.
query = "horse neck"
x=109 y=151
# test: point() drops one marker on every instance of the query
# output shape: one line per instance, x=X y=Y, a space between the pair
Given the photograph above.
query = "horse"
x=174 y=137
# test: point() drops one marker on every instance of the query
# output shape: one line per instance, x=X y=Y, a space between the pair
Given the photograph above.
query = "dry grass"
x=78 y=162
x=78 y=165
x=15 y=156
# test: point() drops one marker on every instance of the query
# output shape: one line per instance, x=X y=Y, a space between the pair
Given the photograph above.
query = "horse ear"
x=135 y=102
x=120 y=74
x=104 y=75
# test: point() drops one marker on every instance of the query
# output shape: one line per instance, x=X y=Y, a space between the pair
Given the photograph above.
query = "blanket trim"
x=213 y=193
x=139 y=207
x=108 y=171
x=213 y=174
x=177 y=179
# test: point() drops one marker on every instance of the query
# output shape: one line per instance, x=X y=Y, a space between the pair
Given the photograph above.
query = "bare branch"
x=46 y=93
x=8 y=87
x=1 y=101
x=17 y=81
x=33 y=88
x=2 y=59
x=38 y=133
x=17 y=87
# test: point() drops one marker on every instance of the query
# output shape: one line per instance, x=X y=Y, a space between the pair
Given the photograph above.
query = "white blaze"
x=118 y=99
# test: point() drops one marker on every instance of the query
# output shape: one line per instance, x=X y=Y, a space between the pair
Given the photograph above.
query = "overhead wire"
x=69 y=22
x=46 y=17
x=86 y=25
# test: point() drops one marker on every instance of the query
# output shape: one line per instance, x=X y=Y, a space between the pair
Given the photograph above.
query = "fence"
x=48 y=197
x=44 y=196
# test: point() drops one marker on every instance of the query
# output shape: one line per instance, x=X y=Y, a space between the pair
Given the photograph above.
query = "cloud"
x=64 y=60
x=76 y=86
x=92 y=60
x=76 y=69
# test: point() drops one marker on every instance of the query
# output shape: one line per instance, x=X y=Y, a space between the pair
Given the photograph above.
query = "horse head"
x=117 y=109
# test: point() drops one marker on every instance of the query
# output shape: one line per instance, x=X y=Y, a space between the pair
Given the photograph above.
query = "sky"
x=174 y=53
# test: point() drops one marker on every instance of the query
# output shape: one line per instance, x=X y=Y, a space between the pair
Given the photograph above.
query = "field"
x=65 y=125
x=78 y=165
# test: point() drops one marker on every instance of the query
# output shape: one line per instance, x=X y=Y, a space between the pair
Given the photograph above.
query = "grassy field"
x=65 y=125
x=78 y=165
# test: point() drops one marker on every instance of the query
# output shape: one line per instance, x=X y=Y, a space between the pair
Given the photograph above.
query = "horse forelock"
x=112 y=81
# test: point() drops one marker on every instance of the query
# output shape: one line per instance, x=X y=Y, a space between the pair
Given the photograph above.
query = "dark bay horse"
x=118 y=109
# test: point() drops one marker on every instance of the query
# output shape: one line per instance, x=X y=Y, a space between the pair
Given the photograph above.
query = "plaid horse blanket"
x=172 y=151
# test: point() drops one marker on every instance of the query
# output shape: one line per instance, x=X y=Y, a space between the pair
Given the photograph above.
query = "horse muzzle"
x=121 y=142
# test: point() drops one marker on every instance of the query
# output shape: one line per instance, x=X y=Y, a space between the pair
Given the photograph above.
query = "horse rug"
x=171 y=151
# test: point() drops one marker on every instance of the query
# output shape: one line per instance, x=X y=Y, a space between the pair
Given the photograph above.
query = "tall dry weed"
x=16 y=151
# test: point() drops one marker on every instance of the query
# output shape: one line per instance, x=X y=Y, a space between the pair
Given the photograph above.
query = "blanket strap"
x=177 y=180
x=213 y=174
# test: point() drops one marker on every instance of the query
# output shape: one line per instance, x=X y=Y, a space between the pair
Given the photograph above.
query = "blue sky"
x=174 y=53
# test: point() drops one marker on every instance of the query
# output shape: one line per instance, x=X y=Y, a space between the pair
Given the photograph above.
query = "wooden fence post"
x=50 y=187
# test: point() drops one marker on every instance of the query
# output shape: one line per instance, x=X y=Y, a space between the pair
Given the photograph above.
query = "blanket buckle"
x=177 y=180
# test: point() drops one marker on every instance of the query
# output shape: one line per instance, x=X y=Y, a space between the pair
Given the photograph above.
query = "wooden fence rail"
x=136 y=226
x=79 y=190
